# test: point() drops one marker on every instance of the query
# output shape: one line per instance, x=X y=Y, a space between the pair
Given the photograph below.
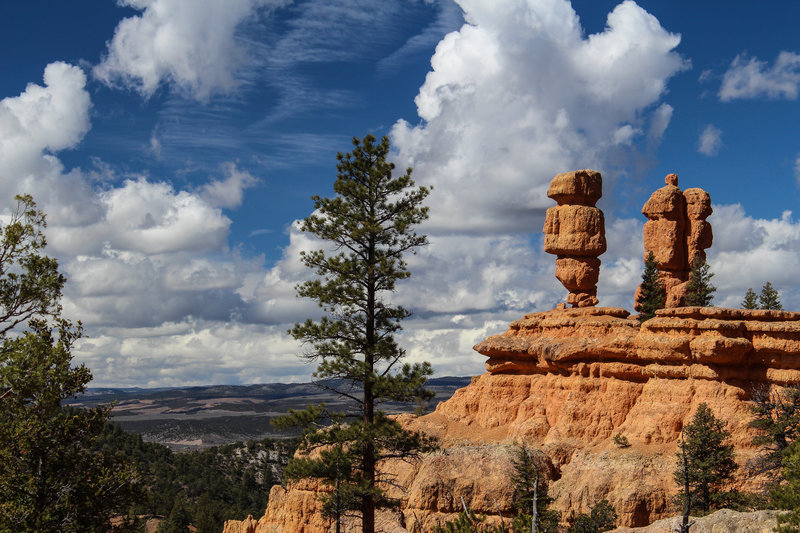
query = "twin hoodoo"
x=676 y=232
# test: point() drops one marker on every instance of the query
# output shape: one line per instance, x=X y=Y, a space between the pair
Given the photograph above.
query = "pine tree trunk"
x=368 y=500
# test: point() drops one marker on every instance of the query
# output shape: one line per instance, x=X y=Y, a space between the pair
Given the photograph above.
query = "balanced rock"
x=678 y=235
x=574 y=231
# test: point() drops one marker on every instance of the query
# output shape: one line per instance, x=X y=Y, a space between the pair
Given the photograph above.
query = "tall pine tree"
x=369 y=225
x=750 y=299
x=769 y=298
x=52 y=476
x=530 y=495
x=699 y=291
x=651 y=291
x=705 y=460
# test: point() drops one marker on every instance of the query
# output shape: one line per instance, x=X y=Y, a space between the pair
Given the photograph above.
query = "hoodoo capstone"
x=574 y=231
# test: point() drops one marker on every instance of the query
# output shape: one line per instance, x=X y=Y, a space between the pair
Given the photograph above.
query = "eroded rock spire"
x=677 y=233
x=574 y=231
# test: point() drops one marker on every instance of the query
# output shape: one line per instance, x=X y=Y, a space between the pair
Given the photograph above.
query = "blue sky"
x=174 y=143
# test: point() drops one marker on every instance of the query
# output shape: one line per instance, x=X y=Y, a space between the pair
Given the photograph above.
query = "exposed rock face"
x=575 y=232
x=677 y=233
x=709 y=343
x=566 y=382
x=722 y=521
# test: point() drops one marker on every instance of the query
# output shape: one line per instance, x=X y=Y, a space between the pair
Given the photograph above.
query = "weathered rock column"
x=677 y=233
x=575 y=232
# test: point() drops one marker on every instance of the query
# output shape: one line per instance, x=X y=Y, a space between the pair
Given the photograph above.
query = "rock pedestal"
x=574 y=231
x=677 y=233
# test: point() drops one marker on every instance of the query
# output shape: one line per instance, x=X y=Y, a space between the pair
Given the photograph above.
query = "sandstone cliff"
x=565 y=382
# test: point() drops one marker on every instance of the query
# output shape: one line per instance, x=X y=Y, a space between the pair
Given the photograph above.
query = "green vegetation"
x=750 y=299
x=202 y=488
x=768 y=299
x=601 y=517
x=468 y=522
x=705 y=462
x=369 y=225
x=621 y=441
x=530 y=495
x=52 y=476
x=787 y=495
x=777 y=415
x=651 y=291
x=699 y=291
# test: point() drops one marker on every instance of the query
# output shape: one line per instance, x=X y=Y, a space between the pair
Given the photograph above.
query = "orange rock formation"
x=677 y=233
x=567 y=381
x=574 y=230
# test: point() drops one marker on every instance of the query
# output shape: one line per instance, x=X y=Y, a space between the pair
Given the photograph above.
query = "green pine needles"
x=369 y=224
x=700 y=291
x=651 y=292
x=768 y=299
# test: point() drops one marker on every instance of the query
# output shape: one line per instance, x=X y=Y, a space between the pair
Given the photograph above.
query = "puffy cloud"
x=752 y=78
x=189 y=44
x=229 y=191
x=748 y=252
x=660 y=121
x=39 y=122
x=192 y=352
x=710 y=141
x=146 y=217
x=518 y=95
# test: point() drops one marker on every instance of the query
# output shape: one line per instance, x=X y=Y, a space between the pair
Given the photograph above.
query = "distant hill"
x=199 y=417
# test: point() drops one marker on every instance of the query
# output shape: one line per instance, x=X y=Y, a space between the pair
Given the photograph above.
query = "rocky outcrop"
x=574 y=231
x=722 y=521
x=710 y=343
x=677 y=233
x=565 y=382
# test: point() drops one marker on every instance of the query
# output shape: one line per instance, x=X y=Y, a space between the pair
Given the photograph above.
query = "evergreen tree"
x=705 y=460
x=601 y=517
x=52 y=475
x=468 y=522
x=699 y=291
x=769 y=298
x=651 y=291
x=787 y=495
x=369 y=225
x=750 y=300
x=531 y=486
x=777 y=415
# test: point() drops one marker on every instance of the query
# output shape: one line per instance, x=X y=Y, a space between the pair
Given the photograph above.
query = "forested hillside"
x=201 y=488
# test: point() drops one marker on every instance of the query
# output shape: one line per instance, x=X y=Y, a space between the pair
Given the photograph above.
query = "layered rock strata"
x=677 y=233
x=574 y=231
x=710 y=343
x=565 y=382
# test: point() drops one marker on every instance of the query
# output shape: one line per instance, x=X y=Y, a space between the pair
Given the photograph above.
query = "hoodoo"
x=677 y=233
x=568 y=380
x=575 y=232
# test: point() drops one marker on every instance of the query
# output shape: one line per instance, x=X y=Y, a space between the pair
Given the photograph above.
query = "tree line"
x=700 y=291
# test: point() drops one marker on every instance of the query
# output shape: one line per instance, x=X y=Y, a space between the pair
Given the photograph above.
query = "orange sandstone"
x=574 y=230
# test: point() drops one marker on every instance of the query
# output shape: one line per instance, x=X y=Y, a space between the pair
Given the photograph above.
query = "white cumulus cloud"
x=188 y=44
x=753 y=78
x=517 y=95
